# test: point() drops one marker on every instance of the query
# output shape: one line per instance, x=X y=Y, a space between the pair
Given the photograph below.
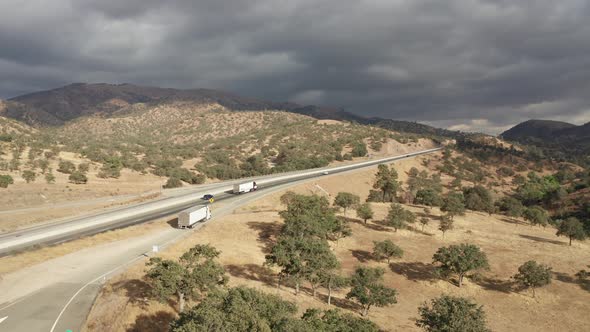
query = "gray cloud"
x=464 y=64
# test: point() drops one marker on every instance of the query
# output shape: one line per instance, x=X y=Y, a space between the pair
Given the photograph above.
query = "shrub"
x=66 y=167
x=29 y=176
x=5 y=180
x=78 y=177
x=173 y=183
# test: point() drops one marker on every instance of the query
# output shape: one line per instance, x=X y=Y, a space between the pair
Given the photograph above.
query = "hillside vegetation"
x=560 y=140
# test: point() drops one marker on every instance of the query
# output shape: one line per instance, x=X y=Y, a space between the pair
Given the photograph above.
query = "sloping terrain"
x=244 y=239
x=557 y=139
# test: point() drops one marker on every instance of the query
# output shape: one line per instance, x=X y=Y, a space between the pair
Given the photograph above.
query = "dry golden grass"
x=244 y=236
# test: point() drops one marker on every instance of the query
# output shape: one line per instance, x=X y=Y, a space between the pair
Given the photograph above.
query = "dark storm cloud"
x=464 y=64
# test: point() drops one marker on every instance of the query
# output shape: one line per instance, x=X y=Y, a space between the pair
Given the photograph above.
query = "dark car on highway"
x=207 y=197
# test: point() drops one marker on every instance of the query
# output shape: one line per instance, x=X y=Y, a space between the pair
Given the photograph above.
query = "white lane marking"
x=86 y=285
x=3 y=319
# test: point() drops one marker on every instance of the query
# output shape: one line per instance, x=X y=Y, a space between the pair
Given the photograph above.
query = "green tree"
x=452 y=314
x=332 y=280
x=428 y=197
x=424 y=221
x=239 y=309
x=453 y=205
x=310 y=216
x=346 y=200
x=460 y=259
x=386 y=250
x=78 y=178
x=29 y=176
x=173 y=183
x=536 y=215
x=572 y=228
x=196 y=273
x=5 y=180
x=478 y=198
x=446 y=224
x=398 y=217
x=365 y=212
x=368 y=290
x=386 y=182
x=334 y=321
x=318 y=260
x=111 y=167
x=533 y=275
x=511 y=206
x=302 y=258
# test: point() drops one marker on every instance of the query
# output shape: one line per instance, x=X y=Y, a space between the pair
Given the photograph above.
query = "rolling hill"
x=561 y=139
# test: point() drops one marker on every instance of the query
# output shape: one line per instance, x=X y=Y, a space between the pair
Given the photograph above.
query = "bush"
x=66 y=167
x=173 y=183
x=84 y=168
x=78 y=177
x=359 y=149
x=29 y=176
x=49 y=178
x=5 y=180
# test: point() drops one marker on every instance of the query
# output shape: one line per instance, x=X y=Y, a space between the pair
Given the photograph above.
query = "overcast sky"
x=461 y=64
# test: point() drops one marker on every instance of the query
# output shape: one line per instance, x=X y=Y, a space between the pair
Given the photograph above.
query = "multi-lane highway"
x=60 y=232
x=32 y=301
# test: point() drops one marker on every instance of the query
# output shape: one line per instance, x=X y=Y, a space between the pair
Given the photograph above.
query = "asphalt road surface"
x=63 y=303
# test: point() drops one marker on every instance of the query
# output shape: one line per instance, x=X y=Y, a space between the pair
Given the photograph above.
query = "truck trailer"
x=189 y=217
x=245 y=187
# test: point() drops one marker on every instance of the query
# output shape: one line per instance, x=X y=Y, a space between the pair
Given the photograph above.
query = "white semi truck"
x=189 y=217
x=245 y=187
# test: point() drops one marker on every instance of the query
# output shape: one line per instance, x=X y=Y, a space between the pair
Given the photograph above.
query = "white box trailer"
x=187 y=218
x=245 y=187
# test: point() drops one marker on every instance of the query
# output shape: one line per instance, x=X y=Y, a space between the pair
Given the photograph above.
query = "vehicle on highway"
x=189 y=217
x=325 y=172
x=208 y=197
x=245 y=187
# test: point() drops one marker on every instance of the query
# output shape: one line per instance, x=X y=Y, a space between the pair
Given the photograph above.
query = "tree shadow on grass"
x=513 y=221
x=419 y=231
x=370 y=224
x=252 y=272
x=361 y=255
x=267 y=233
x=157 y=322
x=136 y=290
x=495 y=284
x=339 y=302
x=564 y=277
x=540 y=239
x=414 y=270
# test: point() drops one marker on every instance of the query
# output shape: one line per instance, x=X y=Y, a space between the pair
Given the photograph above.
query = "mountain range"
x=58 y=106
x=62 y=105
